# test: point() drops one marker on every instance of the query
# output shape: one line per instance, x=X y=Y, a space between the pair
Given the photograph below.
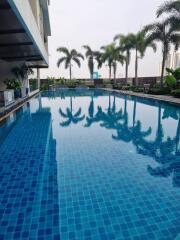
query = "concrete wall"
x=38 y=14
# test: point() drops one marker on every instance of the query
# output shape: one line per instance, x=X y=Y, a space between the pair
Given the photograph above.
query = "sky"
x=75 y=23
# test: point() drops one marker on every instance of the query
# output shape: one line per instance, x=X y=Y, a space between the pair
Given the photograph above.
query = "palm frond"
x=153 y=46
x=63 y=50
x=60 y=61
x=169 y=7
x=67 y=62
x=174 y=22
x=117 y=37
x=175 y=40
x=79 y=55
x=78 y=113
x=77 y=61
x=73 y=52
x=89 y=51
x=62 y=113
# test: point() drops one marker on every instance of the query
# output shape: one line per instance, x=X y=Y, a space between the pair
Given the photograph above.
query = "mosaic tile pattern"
x=28 y=175
x=84 y=173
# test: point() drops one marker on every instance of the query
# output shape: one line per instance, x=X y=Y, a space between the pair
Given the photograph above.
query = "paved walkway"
x=164 y=98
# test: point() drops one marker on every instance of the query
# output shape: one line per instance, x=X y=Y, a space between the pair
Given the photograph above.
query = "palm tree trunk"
x=109 y=108
x=163 y=66
x=91 y=76
x=134 y=114
x=114 y=68
x=92 y=70
x=159 y=119
x=70 y=71
x=71 y=107
x=126 y=76
x=136 y=68
x=110 y=72
x=127 y=66
x=125 y=111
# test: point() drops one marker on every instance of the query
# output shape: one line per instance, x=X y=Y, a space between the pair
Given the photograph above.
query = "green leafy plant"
x=51 y=80
x=44 y=87
x=175 y=73
x=33 y=84
x=176 y=93
x=21 y=72
x=126 y=88
x=13 y=84
x=138 y=89
x=159 y=90
x=171 y=81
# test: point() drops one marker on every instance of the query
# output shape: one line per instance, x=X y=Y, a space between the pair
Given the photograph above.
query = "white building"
x=173 y=60
x=24 y=31
x=176 y=60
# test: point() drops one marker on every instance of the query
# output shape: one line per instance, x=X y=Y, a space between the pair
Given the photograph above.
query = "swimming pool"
x=90 y=164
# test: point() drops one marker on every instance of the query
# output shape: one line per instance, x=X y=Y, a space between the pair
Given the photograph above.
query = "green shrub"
x=138 y=89
x=159 y=91
x=44 y=87
x=13 y=84
x=171 y=81
x=126 y=88
x=33 y=84
x=176 y=93
x=175 y=73
x=117 y=86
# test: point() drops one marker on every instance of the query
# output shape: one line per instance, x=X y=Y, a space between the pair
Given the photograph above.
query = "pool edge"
x=16 y=106
x=160 y=98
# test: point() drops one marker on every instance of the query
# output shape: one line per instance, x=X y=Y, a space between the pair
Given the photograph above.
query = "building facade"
x=24 y=31
x=173 y=60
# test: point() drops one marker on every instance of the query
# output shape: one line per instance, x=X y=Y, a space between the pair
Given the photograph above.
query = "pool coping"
x=162 y=98
x=15 y=106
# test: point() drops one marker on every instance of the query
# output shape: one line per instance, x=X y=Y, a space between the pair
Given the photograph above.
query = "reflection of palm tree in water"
x=111 y=117
x=90 y=118
x=70 y=116
x=128 y=134
x=108 y=119
x=166 y=153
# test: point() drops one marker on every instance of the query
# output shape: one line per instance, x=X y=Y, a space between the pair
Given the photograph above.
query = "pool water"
x=90 y=164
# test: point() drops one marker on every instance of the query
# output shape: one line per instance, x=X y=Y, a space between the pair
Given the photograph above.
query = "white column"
x=38 y=78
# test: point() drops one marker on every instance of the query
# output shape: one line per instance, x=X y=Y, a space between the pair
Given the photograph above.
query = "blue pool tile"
x=103 y=172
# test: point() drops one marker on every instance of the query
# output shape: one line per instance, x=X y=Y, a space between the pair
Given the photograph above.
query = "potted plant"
x=22 y=73
x=15 y=85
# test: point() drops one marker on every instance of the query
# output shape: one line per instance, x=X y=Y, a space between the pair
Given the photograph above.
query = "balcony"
x=20 y=37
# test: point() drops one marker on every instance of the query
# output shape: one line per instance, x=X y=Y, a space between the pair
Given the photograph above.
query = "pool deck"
x=163 y=98
x=6 y=111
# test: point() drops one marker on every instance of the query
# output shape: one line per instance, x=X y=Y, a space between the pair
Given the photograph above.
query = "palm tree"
x=70 y=56
x=172 y=8
x=125 y=44
x=112 y=55
x=91 y=56
x=165 y=33
x=141 y=42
